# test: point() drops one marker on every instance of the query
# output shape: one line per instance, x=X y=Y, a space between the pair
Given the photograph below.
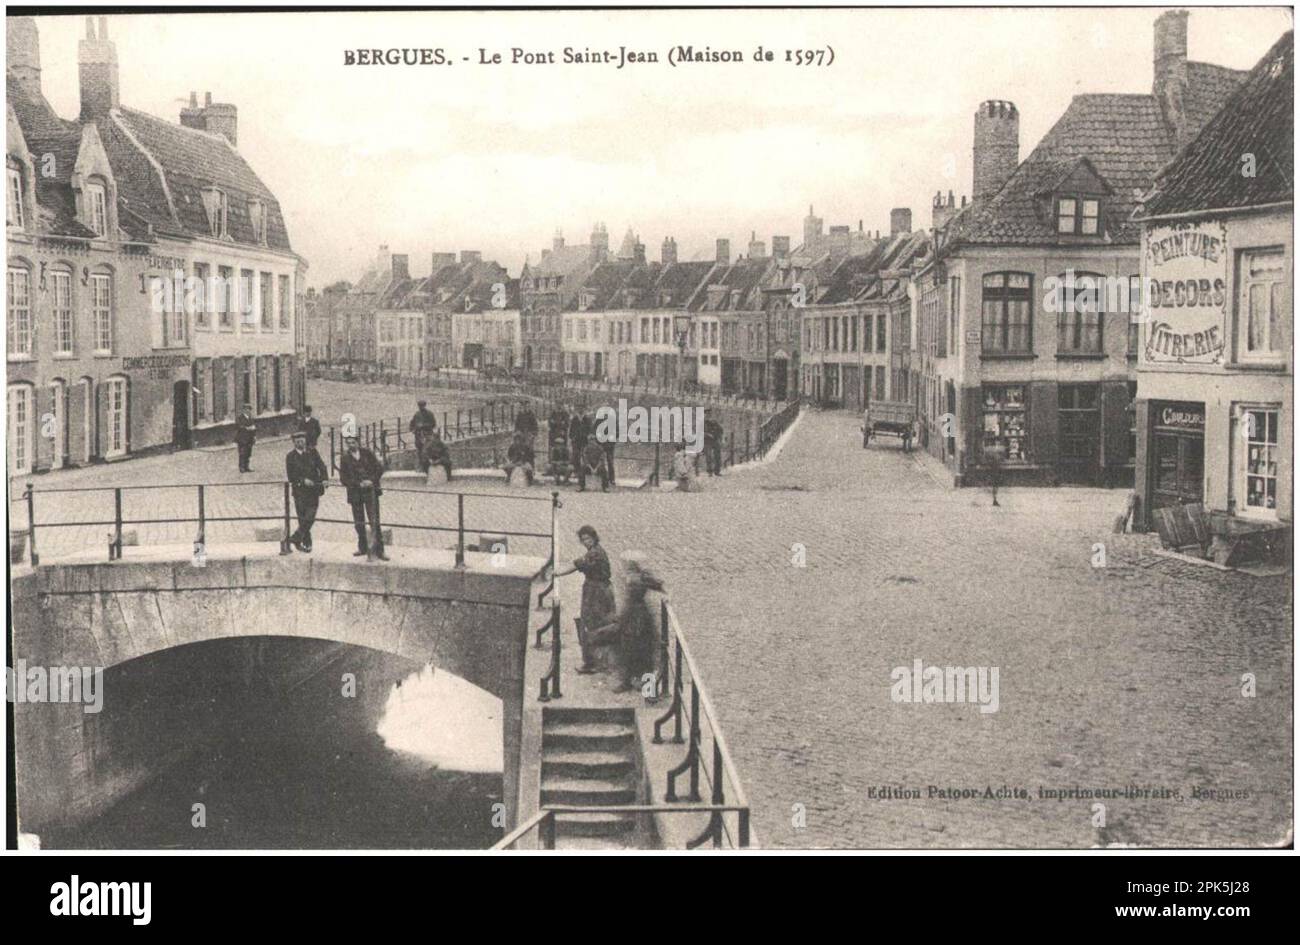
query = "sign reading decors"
x=1186 y=293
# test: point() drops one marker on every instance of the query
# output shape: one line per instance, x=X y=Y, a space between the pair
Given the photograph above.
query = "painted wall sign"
x=1185 y=297
x=1181 y=416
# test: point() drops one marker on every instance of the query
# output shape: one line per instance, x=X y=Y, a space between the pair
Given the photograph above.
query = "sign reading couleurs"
x=1186 y=293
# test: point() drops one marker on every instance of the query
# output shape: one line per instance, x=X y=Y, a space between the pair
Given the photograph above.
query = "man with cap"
x=309 y=425
x=307 y=474
x=422 y=425
x=245 y=436
x=360 y=472
x=435 y=453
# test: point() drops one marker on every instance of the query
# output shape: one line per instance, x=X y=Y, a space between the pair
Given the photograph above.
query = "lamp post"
x=681 y=331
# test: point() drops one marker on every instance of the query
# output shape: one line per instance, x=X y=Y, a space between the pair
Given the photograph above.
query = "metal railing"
x=283 y=514
x=389 y=435
x=544 y=822
x=679 y=674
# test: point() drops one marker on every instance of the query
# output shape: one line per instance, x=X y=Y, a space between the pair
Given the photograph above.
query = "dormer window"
x=1078 y=216
x=97 y=208
x=14 y=203
x=257 y=217
x=214 y=202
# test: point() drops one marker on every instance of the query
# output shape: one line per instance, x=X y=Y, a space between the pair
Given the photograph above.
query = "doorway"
x=1177 y=469
x=181 y=415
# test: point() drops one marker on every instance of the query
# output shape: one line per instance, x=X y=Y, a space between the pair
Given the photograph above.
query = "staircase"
x=589 y=759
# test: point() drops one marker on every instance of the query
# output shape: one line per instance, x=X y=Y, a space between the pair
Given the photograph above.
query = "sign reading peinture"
x=1186 y=293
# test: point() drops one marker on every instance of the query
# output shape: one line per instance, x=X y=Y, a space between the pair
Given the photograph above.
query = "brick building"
x=1025 y=347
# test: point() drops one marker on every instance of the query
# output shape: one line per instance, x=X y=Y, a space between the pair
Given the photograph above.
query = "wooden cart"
x=889 y=418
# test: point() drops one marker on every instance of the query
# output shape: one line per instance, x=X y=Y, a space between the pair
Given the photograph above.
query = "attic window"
x=1078 y=215
x=214 y=202
x=14 y=205
x=257 y=217
x=96 y=209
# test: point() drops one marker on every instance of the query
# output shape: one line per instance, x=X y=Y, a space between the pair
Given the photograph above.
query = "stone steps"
x=589 y=760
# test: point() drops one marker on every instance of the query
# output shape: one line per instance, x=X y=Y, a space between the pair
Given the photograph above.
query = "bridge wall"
x=472 y=623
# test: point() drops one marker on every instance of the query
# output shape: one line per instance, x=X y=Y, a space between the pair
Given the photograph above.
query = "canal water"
x=313 y=745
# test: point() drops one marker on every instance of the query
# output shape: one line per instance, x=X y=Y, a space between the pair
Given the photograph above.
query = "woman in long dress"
x=598 y=606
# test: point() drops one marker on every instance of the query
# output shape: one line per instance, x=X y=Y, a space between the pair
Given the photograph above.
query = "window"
x=20 y=312
x=1134 y=315
x=21 y=429
x=1074 y=215
x=247 y=313
x=880 y=333
x=97 y=209
x=172 y=316
x=61 y=309
x=257 y=217
x=1006 y=421
x=101 y=309
x=201 y=271
x=265 y=300
x=224 y=300
x=116 y=408
x=1261 y=305
x=1258 y=478
x=1007 y=325
x=286 y=303
x=216 y=205
x=264 y=381
x=14 y=198
x=1080 y=303
x=199 y=389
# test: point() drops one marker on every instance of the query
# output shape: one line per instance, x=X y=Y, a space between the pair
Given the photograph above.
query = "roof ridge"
x=115 y=116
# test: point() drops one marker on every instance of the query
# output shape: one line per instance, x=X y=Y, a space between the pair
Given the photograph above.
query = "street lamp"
x=681 y=331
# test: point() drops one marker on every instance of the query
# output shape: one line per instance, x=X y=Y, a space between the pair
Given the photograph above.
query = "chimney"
x=440 y=260
x=222 y=119
x=401 y=267
x=97 y=71
x=23 y=53
x=757 y=248
x=668 y=252
x=812 y=228
x=943 y=209
x=638 y=253
x=723 y=254
x=470 y=256
x=840 y=237
x=900 y=222
x=599 y=243
x=192 y=115
x=1170 y=84
x=997 y=147
x=781 y=246
x=557 y=241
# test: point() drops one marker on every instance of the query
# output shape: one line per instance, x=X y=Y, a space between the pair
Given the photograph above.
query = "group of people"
x=628 y=637
x=360 y=472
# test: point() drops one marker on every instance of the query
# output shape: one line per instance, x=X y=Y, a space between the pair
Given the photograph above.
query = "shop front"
x=1176 y=469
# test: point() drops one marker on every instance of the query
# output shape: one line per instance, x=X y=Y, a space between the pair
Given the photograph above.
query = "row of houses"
x=151 y=288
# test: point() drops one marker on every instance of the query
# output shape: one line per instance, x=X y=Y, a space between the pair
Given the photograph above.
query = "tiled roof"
x=191 y=160
x=601 y=285
x=150 y=158
x=1258 y=119
x=743 y=276
x=680 y=280
x=1126 y=142
x=859 y=278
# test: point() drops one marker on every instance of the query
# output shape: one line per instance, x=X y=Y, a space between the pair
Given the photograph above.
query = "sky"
x=497 y=158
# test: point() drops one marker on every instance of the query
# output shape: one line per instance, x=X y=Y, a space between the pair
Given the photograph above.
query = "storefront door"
x=1178 y=464
x=1080 y=425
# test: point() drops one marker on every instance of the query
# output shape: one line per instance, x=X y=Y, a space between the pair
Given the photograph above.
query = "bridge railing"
x=708 y=763
x=270 y=505
x=543 y=824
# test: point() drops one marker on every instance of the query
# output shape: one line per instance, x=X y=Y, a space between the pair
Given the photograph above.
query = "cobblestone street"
x=1127 y=675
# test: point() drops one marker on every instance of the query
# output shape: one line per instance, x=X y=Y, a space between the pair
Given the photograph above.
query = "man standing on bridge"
x=309 y=425
x=306 y=473
x=423 y=425
x=360 y=472
x=245 y=436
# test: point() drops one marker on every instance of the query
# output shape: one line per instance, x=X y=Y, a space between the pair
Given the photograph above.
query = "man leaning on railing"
x=360 y=471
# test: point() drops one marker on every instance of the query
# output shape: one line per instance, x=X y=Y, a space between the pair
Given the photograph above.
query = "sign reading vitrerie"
x=617 y=57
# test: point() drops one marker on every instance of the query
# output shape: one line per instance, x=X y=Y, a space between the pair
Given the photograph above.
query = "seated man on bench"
x=520 y=455
x=436 y=453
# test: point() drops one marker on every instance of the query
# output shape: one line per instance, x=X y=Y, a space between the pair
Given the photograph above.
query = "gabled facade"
x=151 y=282
x=1026 y=343
x=1215 y=375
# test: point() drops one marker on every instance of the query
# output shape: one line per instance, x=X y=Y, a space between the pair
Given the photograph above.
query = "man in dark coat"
x=436 y=453
x=360 y=472
x=520 y=455
x=712 y=446
x=423 y=425
x=592 y=461
x=307 y=474
x=309 y=425
x=578 y=434
x=526 y=421
x=245 y=436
